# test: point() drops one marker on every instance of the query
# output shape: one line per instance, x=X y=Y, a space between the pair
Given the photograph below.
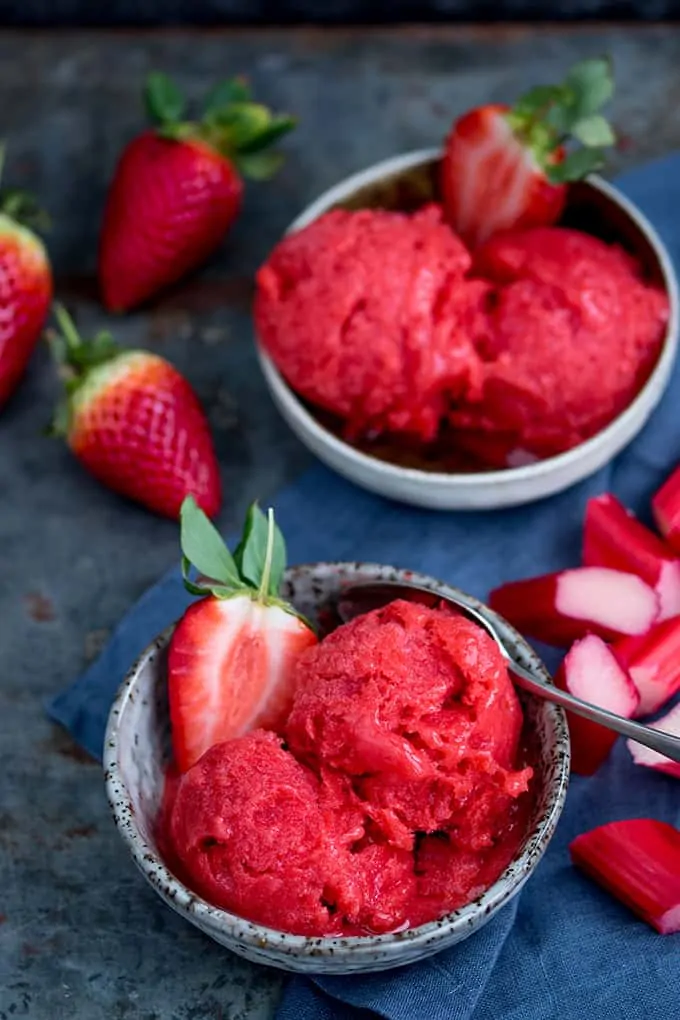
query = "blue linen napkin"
x=563 y=948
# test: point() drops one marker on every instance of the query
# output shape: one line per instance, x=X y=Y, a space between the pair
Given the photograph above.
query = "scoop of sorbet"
x=573 y=333
x=395 y=799
x=416 y=705
x=259 y=835
x=369 y=315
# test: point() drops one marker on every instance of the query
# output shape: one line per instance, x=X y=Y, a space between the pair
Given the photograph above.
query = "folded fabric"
x=563 y=948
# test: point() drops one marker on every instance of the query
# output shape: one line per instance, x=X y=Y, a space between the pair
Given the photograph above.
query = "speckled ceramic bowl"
x=406 y=182
x=137 y=751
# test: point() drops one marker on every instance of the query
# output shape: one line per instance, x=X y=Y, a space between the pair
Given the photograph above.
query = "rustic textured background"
x=80 y=933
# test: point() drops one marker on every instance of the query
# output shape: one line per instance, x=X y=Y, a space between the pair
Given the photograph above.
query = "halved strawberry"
x=506 y=167
x=233 y=654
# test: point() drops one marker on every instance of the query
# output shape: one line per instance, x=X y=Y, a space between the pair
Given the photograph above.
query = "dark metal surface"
x=80 y=933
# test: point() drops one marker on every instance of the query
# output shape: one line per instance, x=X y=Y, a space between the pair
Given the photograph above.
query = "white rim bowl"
x=137 y=750
x=488 y=489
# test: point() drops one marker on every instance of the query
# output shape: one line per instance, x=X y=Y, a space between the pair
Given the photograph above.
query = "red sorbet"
x=416 y=705
x=379 y=318
x=573 y=334
x=369 y=315
x=404 y=724
x=258 y=834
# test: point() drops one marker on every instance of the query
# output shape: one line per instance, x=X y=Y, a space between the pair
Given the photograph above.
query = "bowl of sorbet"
x=458 y=380
x=409 y=797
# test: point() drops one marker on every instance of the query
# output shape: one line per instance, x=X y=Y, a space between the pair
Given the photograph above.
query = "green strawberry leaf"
x=577 y=165
x=277 y=127
x=592 y=83
x=261 y=554
x=259 y=166
x=538 y=99
x=594 y=131
x=234 y=90
x=203 y=547
x=250 y=525
x=176 y=131
x=239 y=123
x=164 y=102
x=192 y=586
x=24 y=208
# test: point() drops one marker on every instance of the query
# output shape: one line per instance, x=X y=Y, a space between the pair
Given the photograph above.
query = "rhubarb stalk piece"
x=669 y=723
x=613 y=537
x=638 y=862
x=653 y=661
x=666 y=510
x=561 y=608
x=591 y=672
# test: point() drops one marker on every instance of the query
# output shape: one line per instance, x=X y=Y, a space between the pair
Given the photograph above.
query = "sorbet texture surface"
x=394 y=796
x=384 y=320
x=573 y=334
x=370 y=315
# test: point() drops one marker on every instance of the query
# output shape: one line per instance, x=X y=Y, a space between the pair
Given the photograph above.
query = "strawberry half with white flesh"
x=653 y=661
x=613 y=537
x=669 y=723
x=563 y=607
x=507 y=168
x=638 y=862
x=232 y=656
x=666 y=510
x=591 y=672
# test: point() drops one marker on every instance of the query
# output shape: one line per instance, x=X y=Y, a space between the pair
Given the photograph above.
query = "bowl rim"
x=505 y=476
x=251 y=933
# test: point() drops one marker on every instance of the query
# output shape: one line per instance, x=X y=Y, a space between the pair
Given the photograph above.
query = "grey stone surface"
x=80 y=933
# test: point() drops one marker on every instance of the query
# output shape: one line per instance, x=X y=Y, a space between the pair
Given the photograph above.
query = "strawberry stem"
x=68 y=329
x=267 y=569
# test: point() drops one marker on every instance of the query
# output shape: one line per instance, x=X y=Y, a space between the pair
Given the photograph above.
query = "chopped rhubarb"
x=670 y=723
x=563 y=607
x=666 y=510
x=613 y=537
x=591 y=672
x=638 y=862
x=653 y=661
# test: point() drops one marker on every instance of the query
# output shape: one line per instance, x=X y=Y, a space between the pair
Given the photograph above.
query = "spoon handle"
x=664 y=743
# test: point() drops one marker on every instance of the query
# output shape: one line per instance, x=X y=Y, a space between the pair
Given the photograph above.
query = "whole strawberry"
x=135 y=423
x=232 y=657
x=506 y=168
x=178 y=187
x=25 y=286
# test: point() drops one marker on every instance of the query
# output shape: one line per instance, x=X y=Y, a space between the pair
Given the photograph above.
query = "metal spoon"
x=361 y=598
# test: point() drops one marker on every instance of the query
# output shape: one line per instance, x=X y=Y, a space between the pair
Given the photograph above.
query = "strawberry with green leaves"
x=178 y=187
x=25 y=285
x=507 y=168
x=134 y=422
x=233 y=654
